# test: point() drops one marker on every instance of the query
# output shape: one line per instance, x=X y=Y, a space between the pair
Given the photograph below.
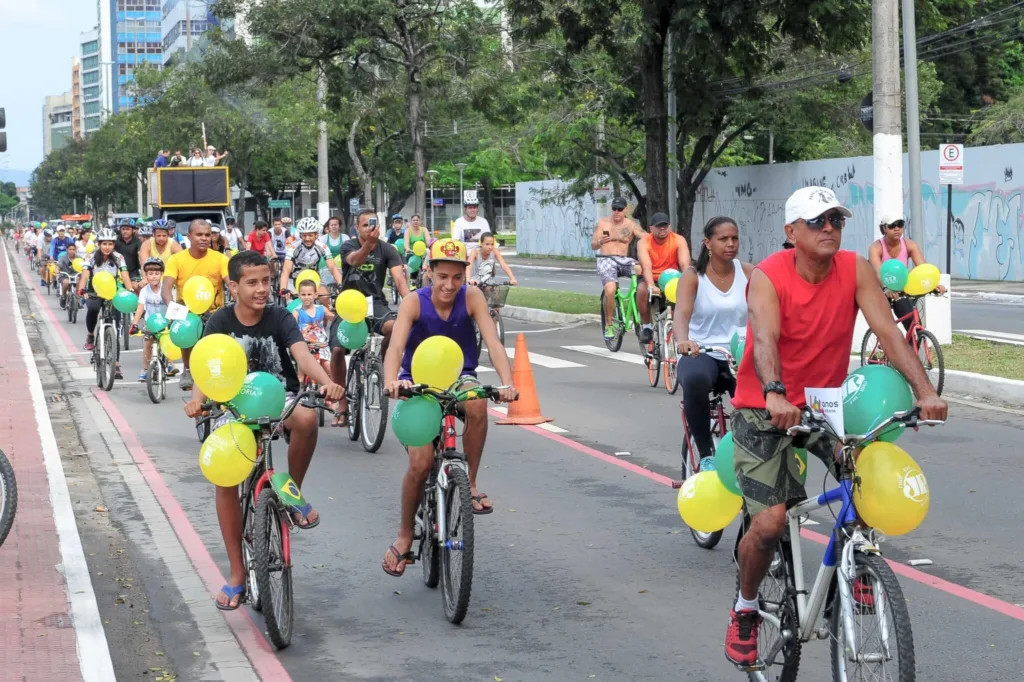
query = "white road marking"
x=996 y=337
x=546 y=360
x=633 y=358
x=555 y=281
x=93 y=652
x=500 y=408
x=552 y=428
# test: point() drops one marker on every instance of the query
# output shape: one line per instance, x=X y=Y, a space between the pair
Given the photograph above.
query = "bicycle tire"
x=373 y=381
x=277 y=617
x=126 y=331
x=653 y=359
x=779 y=598
x=321 y=417
x=899 y=621
x=671 y=361
x=871 y=352
x=703 y=540
x=429 y=556
x=110 y=357
x=202 y=428
x=8 y=496
x=457 y=582
x=355 y=366
x=499 y=322
x=154 y=381
x=615 y=343
x=929 y=345
x=252 y=589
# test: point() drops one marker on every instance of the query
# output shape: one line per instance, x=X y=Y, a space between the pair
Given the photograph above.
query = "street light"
x=433 y=227
x=461 y=167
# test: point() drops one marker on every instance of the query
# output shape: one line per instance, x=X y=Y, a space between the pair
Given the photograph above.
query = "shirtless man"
x=611 y=241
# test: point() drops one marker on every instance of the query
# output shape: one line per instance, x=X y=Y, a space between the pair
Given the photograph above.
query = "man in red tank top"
x=802 y=306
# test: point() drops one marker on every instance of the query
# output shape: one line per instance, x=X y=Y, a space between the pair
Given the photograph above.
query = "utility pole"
x=916 y=224
x=673 y=166
x=188 y=26
x=888 y=137
x=461 y=167
x=323 y=203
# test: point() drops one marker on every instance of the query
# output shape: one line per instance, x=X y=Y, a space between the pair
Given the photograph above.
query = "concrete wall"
x=988 y=215
x=547 y=223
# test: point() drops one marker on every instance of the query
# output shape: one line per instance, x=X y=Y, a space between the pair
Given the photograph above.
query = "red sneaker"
x=741 y=638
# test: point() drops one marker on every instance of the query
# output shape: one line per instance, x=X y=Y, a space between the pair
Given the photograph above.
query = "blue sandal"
x=231 y=592
x=303 y=511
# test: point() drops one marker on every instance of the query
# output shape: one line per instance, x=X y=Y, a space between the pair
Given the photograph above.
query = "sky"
x=38 y=39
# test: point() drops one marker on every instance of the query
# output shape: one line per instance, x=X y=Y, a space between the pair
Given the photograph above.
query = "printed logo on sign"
x=914 y=484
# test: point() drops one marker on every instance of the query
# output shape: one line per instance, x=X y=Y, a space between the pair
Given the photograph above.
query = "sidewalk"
x=51 y=625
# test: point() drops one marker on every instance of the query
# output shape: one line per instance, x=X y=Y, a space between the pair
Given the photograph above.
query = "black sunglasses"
x=616 y=210
x=835 y=219
x=898 y=224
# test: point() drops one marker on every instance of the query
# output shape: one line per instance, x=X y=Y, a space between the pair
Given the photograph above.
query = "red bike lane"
x=50 y=627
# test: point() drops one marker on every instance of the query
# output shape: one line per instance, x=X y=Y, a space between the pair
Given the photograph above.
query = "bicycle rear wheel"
x=930 y=353
x=355 y=368
x=880 y=623
x=691 y=466
x=871 y=352
x=429 y=556
x=456 y=548
x=671 y=359
x=8 y=496
x=615 y=343
x=373 y=406
x=109 y=358
x=780 y=660
x=273 y=568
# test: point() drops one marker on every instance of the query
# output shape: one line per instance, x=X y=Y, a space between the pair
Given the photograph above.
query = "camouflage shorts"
x=767 y=469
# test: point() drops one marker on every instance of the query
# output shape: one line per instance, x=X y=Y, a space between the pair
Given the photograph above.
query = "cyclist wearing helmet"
x=448 y=308
x=151 y=302
x=104 y=259
x=128 y=246
x=291 y=230
x=305 y=255
x=160 y=245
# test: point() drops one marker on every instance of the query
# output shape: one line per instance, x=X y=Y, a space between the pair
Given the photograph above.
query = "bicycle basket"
x=496 y=295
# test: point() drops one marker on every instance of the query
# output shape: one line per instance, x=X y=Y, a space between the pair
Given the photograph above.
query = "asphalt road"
x=968 y=313
x=585 y=570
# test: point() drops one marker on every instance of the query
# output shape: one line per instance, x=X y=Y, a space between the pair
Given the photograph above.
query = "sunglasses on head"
x=835 y=219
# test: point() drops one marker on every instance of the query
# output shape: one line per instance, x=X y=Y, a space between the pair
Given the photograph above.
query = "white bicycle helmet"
x=106 y=235
x=308 y=225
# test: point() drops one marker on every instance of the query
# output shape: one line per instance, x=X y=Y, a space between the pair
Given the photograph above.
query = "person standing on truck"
x=212 y=157
x=196 y=160
x=177 y=160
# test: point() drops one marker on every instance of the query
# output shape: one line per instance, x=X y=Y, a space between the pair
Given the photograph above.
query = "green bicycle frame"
x=626 y=303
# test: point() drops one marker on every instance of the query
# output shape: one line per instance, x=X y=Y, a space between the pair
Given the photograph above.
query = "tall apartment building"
x=184 y=23
x=137 y=40
x=76 y=98
x=94 y=83
x=57 y=125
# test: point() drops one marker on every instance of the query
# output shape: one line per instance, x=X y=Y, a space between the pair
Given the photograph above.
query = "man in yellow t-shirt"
x=199 y=259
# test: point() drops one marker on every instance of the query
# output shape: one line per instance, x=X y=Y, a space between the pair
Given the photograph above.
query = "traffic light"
x=3 y=135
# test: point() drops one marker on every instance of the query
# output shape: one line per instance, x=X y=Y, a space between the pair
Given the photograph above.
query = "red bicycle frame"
x=262 y=482
x=448 y=437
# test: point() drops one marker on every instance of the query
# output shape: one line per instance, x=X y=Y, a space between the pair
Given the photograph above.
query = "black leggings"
x=698 y=376
x=92 y=313
x=904 y=306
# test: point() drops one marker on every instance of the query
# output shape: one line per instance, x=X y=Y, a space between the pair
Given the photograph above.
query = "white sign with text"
x=829 y=402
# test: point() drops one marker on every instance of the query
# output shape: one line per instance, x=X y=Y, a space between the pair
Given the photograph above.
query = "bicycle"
x=74 y=301
x=49 y=270
x=156 y=372
x=367 y=401
x=660 y=344
x=444 y=518
x=924 y=343
x=8 y=497
x=496 y=293
x=267 y=524
x=105 y=352
x=852 y=559
x=670 y=352
x=626 y=316
x=720 y=420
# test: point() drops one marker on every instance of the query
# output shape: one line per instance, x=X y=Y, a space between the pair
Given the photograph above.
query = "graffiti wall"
x=987 y=211
x=548 y=223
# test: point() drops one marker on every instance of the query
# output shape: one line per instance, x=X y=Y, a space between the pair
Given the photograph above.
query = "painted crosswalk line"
x=621 y=356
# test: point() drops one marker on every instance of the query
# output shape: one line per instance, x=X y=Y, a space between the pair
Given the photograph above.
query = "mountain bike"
x=719 y=427
x=924 y=343
x=367 y=401
x=156 y=372
x=8 y=496
x=105 y=352
x=266 y=534
x=444 y=519
x=496 y=293
x=836 y=608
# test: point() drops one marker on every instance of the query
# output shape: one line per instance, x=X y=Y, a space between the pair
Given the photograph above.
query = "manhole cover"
x=62 y=397
x=58 y=620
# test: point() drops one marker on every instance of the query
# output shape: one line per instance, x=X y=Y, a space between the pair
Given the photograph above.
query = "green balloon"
x=416 y=421
x=871 y=395
x=125 y=301
x=352 y=335
x=725 y=465
x=400 y=245
x=262 y=395
x=893 y=274
x=734 y=345
x=415 y=263
x=667 y=276
x=186 y=333
x=294 y=305
x=156 y=323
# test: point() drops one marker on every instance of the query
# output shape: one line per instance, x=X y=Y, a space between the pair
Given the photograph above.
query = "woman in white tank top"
x=711 y=306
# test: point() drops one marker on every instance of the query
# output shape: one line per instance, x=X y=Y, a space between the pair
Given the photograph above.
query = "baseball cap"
x=659 y=219
x=890 y=218
x=811 y=202
x=451 y=250
x=619 y=202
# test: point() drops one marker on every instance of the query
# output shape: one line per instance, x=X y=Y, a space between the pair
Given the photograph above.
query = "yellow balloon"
x=234 y=252
x=307 y=274
x=893 y=493
x=337 y=260
x=104 y=285
x=90 y=247
x=705 y=504
x=170 y=351
x=922 y=280
x=198 y=294
x=53 y=269
x=228 y=455
x=419 y=248
x=670 y=290
x=44 y=225
x=219 y=365
x=352 y=306
x=77 y=264
x=437 y=362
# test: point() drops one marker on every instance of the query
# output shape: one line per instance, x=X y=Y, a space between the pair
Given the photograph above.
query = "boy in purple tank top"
x=447 y=308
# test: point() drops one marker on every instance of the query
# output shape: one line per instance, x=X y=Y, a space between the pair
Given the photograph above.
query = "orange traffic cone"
x=526 y=410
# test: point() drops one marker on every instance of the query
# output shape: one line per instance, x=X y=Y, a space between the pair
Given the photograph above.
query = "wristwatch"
x=774 y=387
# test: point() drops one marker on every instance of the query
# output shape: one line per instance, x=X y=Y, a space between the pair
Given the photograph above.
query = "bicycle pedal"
x=758 y=666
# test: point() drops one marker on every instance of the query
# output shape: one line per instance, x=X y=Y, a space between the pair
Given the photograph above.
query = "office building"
x=138 y=40
x=184 y=23
x=57 y=126
x=76 y=98
x=94 y=79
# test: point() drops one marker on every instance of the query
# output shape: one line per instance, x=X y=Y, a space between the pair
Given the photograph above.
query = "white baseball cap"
x=811 y=202
x=890 y=218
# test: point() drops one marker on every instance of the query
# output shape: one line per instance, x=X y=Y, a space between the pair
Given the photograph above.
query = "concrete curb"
x=989 y=296
x=997 y=389
x=514 y=312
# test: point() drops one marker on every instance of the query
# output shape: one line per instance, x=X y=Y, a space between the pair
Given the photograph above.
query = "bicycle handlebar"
x=492 y=392
x=310 y=398
x=813 y=422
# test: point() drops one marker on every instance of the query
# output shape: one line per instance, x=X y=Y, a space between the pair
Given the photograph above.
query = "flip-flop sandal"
x=409 y=558
x=231 y=592
x=480 y=498
x=341 y=419
x=304 y=513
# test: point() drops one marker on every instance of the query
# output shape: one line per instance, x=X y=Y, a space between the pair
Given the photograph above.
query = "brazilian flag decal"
x=287 y=490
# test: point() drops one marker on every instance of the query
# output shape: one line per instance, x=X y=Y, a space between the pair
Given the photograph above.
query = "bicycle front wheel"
x=499 y=322
x=8 y=496
x=373 y=406
x=355 y=368
x=155 y=380
x=456 y=547
x=109 y=359
x=273 y=568
x=671 y=359
x=615 y=342
x=126 y=331
x=930 y=353
x=879 y=626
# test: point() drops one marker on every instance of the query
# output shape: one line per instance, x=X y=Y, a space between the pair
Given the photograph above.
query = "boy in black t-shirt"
x=267 y=333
